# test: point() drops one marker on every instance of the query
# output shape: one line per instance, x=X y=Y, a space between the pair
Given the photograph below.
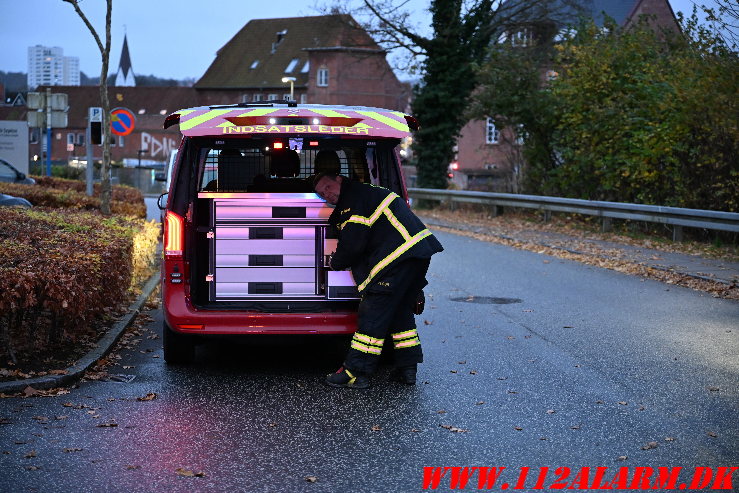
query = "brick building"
x=332 y=59
x=489 y=158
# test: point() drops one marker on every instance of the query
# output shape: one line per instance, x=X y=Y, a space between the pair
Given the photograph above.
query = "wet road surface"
x=530 y=361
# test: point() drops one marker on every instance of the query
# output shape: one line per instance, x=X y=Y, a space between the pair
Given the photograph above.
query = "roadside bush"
x=62 y=270
x=70 y=194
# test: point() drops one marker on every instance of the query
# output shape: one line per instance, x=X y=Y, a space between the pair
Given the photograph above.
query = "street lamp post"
x=291 y=80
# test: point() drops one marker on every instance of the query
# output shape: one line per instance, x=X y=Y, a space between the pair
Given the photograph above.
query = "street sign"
x=95 y=121
x=36 y=100
x=121 y=121
x=96 y=114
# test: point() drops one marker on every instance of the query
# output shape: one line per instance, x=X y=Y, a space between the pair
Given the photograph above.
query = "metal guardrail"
x=675 y=216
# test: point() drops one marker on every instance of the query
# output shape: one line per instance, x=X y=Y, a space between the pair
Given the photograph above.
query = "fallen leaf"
x=32 y=468
x=30 y=455
x=29 y=391
x=599 y=402
x=575 y=427
x=517 y=428
x=58 y=372
x=462 y=362
x=426 y=322
x=131 y=468
x=311 y=479
x=415 y=430
x=148 y=397
x=551 y=411
x=512 y=391
x=480 y=403
x=711 y=434
x=454 y=429
x=473 y=372
x=107 y=425
x=650 y=446
x=376 y=428
x=67 y=450
x=669 y=439
x=452 y=371
x=623 y=403
x=714 y=389
x=188 y=473
x=441 y=411
x=622 y=457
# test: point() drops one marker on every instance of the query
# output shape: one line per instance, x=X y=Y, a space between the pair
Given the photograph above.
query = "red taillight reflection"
x=173 y=234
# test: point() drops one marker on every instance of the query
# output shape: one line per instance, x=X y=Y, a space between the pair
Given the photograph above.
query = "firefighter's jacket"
x=376 y=230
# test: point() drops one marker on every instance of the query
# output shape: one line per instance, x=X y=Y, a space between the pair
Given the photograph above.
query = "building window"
x=303 y=98
x=520 y=135
x=245 y=98
x=286 y=97
x=492 y=135
x=322 y=77
x=121 y=141
x=306 y=68
x=254 y=64
x=272 y=97
x=523 y=37
x=70 y=139
x=291 y=65
x=257 y=97
x=80 y=139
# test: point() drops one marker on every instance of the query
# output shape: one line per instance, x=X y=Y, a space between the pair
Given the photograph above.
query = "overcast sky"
x=168 y=38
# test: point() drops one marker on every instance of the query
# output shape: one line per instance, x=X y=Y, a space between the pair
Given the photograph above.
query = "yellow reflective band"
x=397 y=224
x=408 y=343
x=254 y=112
x=330 y=113
x=393 y=256
x=369 y=340
x=198 y=120
x=406 y=334
x=369 y=221
x=352 y=378
x=366 y=349
x=390 y=122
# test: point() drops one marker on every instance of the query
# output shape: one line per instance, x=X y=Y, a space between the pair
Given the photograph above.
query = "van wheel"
x=178 y=348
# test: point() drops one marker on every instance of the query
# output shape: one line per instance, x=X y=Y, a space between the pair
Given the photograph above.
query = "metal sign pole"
x=90 y=162
x=48 y=131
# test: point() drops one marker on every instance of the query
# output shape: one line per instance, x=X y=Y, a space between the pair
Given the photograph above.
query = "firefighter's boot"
x=404 y=374
x=348 y=379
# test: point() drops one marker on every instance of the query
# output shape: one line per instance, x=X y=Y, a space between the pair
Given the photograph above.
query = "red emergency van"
x=246 y=240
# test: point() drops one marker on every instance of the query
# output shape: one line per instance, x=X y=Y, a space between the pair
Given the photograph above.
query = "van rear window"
x=262 y=167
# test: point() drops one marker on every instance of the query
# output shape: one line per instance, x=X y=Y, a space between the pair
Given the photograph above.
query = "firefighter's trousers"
x=386 y=312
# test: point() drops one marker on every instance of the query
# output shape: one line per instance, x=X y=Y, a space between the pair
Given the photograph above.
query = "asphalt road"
x=531 y=361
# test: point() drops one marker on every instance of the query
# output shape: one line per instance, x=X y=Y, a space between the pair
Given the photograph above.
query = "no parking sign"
x=121 y=121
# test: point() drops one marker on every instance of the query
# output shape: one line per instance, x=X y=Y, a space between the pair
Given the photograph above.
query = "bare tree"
x=105 y=185
x=726 y=15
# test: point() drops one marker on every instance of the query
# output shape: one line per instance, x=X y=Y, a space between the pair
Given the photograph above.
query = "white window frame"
x=303 y=98
x=492 y=134
x=322 y=77
x=256 y=97
x=271 y=97
x=70 y=139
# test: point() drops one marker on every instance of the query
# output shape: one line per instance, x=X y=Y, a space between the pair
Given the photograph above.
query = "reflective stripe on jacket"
x=376 y=228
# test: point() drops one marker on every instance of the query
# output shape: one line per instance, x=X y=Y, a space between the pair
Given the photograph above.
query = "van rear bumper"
x=182 y=317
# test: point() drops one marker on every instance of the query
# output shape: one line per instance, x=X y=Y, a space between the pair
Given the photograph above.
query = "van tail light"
x=174 y=235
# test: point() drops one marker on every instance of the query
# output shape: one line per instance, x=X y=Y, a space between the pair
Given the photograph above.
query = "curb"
x=104 y=345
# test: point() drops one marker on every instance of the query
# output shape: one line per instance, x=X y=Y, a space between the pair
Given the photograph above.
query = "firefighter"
x=388 y=250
